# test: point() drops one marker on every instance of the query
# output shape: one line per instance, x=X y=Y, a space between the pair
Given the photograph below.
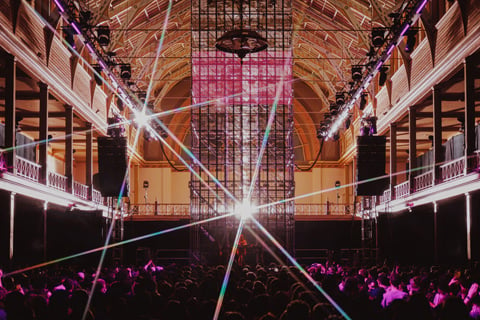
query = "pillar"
x=69 y=147
x=435 y=232
x=10 y=130
x=12 y=226
x=469 y=74
x=89 y=160
x=43 y=133
x=468 y=217
x=45 y=209
x=412 y=145
x=393 y=159
x=438 y=153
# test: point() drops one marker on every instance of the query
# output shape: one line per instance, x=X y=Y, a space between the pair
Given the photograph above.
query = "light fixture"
x=125 y=71
x=363 y=100
x=333 y=108
x=411 y=39
x=103 y=35
x=378 y=37
x=241 y=41
x=97 y=74
x=244 y=210
x=382 y=78
x=357 y=72
x=340 y=98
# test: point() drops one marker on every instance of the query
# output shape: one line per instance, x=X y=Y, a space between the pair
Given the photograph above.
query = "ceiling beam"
x=28 y=128
x=430 y=129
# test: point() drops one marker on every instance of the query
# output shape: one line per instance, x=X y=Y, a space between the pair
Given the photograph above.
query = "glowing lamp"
x=244 y=210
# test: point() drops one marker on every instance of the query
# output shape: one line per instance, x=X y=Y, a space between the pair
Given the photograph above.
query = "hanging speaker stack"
x=112 y=166
x=371 y=165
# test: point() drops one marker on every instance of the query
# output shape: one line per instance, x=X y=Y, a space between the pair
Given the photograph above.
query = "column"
x=10 y=130
x=435 y=232
x=412 y=145
x=393 y=159
x=43 y=133
x=45 y=209
x=469 y=74
x=89 y=160
x=12 y=226
x=69 y=147
x=438 y=154
x=468 y=216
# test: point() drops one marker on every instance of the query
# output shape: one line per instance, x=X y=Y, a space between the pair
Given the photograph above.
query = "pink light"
x=220 y=76
x=59 y=5
x=421 y=6
x=89 y=47
x=390 y=49
x=404 y=30
x=76 y=28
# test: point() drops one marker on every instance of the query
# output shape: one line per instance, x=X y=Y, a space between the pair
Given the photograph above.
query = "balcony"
x=456 y=177
x=26 y=180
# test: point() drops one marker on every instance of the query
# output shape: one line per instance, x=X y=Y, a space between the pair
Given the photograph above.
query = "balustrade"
x=57 y=181
x=423 y=181
x=402 y=190
x=27 y=169
x=452 y=169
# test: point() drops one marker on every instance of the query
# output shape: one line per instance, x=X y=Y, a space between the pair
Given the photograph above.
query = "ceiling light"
x=103 y=35
x=241 y=42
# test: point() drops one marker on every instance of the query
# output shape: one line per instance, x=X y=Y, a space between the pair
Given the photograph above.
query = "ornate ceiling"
x=329 y=36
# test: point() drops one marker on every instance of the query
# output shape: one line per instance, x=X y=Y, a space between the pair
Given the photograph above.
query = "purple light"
x=404 y=30
x=379 y=65
x=390 y=49
x=420 y=8
x=76 y=28
x=59 y=5
x=102 y=64
x=89 y=47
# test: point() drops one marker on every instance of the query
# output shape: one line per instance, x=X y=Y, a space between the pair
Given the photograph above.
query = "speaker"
x=371 y=165
x=112 y=166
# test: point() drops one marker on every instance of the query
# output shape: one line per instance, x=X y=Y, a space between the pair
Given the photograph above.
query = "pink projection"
x=220 y=78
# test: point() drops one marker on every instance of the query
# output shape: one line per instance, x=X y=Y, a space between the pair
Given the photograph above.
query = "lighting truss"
x=407 y=18
x=238 y=97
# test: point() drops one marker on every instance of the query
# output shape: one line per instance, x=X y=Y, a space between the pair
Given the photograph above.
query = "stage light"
x=363 y=100
x=378 y=37
x=141 y=119
x=411 y=40
x=120 y=105
x=357 y=71
x=333 y=108
x=103 y=35
x=382 y=78
x=244 y=210
x=69 y=33
x=125 y=71
x=98 y=68
x=340 y=98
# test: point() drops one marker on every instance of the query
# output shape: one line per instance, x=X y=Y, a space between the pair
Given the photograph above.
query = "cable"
x=170 y=162
x=316 y=159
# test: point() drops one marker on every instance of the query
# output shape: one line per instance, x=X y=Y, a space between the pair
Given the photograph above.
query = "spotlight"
x=142 y=96
x=103 y=35
x=98 y=68
x=340 y=98
x=244 y=210
x=357 y=72
x=363 y=100
x=348 y=122
x=378 y=37
x=125 y=71
x=383 y=76
x=372 y=121
x=120 y=105
x=333 y=108
x=85 y=18
x=69 y=34
x=411 y=39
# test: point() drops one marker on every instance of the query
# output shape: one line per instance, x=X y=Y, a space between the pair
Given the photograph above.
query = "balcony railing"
x=402 y=190
x=452 y=169
x=80 y=190
x=423 y=181
x=173 y=209
x=57 y=181
x=97 y=197
x=27 y=169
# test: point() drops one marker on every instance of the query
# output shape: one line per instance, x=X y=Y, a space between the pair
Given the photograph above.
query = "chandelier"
x=241 y=41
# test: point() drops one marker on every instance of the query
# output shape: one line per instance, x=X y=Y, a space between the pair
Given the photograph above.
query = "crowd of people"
x=254 y=292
